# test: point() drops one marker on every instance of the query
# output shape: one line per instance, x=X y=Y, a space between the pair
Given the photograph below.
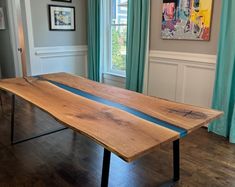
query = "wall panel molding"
x=70 y=59
x=187 y=57
x=60 y=51
x=190 y=81
x=182 y=77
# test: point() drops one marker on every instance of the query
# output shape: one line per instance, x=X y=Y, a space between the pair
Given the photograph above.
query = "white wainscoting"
x=183 y=77
x=71 y=59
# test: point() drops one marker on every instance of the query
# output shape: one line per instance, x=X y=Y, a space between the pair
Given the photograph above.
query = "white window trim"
x=105 y=31
x=106 y=46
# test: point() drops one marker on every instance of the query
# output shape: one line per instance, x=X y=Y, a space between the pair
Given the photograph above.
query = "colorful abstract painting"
x=186 y=19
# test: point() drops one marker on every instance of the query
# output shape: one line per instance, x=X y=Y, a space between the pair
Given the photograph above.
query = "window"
x=117 y=41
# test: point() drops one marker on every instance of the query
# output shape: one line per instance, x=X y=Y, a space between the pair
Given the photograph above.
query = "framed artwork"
x=186 y=19
x=2 y=19
x=61 y=18
x=66 y=1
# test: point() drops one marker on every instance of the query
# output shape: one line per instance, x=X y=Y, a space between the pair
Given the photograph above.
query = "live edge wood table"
x=125 y=123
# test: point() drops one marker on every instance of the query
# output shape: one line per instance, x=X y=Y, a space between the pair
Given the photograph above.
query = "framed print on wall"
x=2 y=19
x=62 y=18
x=186 y=19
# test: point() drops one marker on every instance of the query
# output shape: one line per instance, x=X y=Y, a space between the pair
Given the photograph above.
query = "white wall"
x=44 y=37
x=71 y=59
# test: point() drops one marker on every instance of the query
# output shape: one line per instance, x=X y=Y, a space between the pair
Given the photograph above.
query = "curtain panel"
x=224 y=91
x=137 y=36
x=94 y=39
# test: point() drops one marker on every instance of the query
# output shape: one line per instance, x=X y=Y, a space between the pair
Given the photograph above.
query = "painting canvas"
x=62 y=18
x=186 y=19
x=2 y=19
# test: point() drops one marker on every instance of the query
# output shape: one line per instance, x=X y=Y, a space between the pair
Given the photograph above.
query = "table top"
x=126 y=123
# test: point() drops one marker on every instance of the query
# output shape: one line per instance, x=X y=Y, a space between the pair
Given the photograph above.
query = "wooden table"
x=125 y=123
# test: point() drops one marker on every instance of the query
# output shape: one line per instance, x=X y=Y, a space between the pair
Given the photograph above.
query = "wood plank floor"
x=69 y=159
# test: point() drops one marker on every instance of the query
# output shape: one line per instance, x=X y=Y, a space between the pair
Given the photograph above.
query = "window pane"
x=119 y=48
x=119 y=11
x=119 y=32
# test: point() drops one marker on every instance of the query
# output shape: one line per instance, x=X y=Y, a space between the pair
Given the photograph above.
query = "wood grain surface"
x=121 y=133
x=124 y=134
x=182 y=115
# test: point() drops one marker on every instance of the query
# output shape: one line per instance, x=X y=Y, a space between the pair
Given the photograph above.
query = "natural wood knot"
x=188 y=113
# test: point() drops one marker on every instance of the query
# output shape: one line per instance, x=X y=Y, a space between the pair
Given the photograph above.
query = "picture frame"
x=2 y=19
x=186 y=20
x=65 y=1
x=62 y=18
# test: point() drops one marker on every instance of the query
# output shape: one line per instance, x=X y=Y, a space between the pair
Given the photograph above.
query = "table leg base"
x=106 y=167
x=176 y=160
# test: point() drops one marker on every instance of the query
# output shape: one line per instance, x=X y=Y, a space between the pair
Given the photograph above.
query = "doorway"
x=12 y=41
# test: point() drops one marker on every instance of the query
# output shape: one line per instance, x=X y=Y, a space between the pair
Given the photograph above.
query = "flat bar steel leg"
x=1 y=101
x=176 y=160
x=38 y=136
x=13 y=142
x=106 y=167
x=12 y=118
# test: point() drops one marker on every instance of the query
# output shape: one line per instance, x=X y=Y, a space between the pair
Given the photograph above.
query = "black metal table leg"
x=176 y=160
x=13 y=142
x=39 y=135
x=1 y=101
x=12 y=118
x=106 y=167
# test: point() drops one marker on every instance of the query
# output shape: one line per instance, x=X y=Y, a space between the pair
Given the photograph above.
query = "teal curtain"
x=224 y=92
x=94 y=40
x=137 y=33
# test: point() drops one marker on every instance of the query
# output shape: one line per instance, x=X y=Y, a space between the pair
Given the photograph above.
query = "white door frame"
x=32 y=65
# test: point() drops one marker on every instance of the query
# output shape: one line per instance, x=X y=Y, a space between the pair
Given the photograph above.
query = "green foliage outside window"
x=119 y=48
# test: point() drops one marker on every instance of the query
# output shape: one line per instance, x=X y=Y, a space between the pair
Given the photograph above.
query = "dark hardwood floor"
x=69 y=159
